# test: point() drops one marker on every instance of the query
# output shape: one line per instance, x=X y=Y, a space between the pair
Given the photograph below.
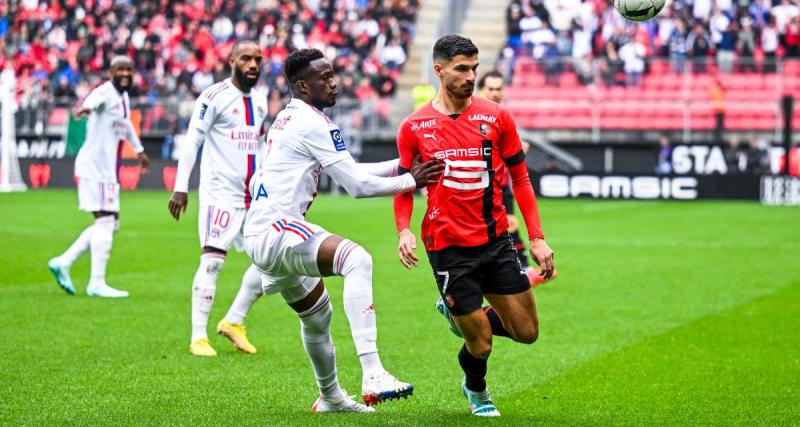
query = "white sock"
x=203 y=289
x=249 y=293
x=78 y=248
x=315 y=329
x=102 y=237
x=355 y=264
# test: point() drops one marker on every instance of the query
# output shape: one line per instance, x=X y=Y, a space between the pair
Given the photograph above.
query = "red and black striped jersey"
x=465 y=207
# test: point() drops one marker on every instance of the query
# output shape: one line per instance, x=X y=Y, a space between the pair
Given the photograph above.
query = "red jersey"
x=479 y=146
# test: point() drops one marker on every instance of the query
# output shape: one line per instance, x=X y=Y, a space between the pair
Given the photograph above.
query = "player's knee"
x=357 y=259
x=317 y=319
x=212 y=264
x=527 y=334
x=479 y=348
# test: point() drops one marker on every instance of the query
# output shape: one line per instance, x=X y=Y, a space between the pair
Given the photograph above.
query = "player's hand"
x=145 y=162
x=543 y=255
x=513 y=223
x=177 y=204
x=408 y=242
x=427 y=173
x=82 y=112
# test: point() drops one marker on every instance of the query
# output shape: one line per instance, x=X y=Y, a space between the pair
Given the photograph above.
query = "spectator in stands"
x=610 y=65
x=664 y=159
x=726 y=55
x=632 y=55
x=746 y=45
x=793 y=38
x=783 y=13
x=770 y=40
x=699 y=46
x=759 y=13
x=677 y=47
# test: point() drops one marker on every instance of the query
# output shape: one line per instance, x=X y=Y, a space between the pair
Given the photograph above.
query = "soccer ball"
x=639 y=10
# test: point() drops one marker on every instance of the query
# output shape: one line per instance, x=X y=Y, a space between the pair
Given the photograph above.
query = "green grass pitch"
x=664 y=314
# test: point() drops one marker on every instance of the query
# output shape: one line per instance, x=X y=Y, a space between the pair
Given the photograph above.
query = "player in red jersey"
x=465 y=227
x=492 y=87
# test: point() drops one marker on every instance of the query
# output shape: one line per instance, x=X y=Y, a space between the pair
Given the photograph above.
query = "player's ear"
x=437 y=68
x=302 y=86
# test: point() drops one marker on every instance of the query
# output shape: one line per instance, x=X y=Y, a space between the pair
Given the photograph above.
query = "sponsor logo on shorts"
x=449 y=300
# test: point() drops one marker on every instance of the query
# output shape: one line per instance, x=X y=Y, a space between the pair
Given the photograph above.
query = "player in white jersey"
x=228 y=121
x=295 y=254
x=96 y=167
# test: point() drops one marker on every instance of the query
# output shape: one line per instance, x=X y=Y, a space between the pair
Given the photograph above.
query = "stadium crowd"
x=734 y=36
x=180 y=47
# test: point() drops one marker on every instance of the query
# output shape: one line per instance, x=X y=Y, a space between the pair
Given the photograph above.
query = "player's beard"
x=460 y=91
x=117 y=82
x=244 y=80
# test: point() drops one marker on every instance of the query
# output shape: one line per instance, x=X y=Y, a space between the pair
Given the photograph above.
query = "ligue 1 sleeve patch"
x=203 y=109
x=338 y=141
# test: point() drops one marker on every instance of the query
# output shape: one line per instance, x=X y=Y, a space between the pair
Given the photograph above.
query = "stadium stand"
x=579 y=65
x=180 y=47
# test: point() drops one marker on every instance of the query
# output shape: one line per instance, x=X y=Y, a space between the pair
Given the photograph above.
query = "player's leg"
x=287 y=260
x=516 y=315
x=315 y=312
x=512 y=309
x=105 y=225
x=232 y=325
x=342 y=257
x=204 y=288
x=214 y=226
x=458 y=277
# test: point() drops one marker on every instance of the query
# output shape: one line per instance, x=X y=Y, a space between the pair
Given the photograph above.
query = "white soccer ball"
x=639 y=10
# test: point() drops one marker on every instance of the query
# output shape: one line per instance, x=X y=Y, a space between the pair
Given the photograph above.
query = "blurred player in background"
x=295 y=254
x=97 y=167
x=465 y=226
x=228 y=121
x=491 y=86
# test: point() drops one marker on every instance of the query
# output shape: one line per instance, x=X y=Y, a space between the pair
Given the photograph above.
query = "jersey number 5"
x=473 y=174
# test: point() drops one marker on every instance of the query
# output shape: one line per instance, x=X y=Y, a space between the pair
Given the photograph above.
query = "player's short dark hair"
x=447 y=47
x=494 y=74
x=241 y=43
x=298 y=61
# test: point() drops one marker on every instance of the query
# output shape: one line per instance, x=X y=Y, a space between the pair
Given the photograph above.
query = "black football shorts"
x=464 y=274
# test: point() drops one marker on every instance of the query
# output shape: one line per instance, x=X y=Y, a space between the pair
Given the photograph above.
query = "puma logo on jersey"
x=430 y=135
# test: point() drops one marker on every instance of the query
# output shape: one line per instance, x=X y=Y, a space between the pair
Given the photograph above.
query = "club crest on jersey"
x=203 y=109
x=338 y=141
x=260 y=111
x=484 y=128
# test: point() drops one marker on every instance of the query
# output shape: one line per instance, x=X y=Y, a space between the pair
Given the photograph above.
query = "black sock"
x=474 y=370
x=497 y=325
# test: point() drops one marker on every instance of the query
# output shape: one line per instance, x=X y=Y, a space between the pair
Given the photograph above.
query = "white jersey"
x=109 y=125
x=301 y=142
x=232 y=123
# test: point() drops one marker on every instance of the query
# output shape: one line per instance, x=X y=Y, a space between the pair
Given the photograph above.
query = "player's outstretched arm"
x=384 y=169
x=359 y=184
x=180 y=199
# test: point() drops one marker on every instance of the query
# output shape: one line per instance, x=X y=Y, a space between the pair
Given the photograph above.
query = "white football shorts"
x=220 y=227
x=95 y=196
x=286 y=255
